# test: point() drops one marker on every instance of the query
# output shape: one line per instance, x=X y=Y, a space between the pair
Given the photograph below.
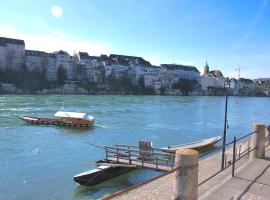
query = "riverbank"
x=73 y=88
x=61 y=152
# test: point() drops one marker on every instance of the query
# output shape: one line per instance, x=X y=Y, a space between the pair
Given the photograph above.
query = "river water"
x=39 y=161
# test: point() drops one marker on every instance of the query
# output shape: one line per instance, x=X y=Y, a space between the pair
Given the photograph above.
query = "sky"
x=228 y=34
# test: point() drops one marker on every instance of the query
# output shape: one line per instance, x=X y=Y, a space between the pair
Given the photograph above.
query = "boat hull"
x=96 y=176
x=58 y=121
x=199 y=146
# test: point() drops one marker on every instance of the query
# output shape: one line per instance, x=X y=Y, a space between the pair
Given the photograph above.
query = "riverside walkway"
x=251 y=181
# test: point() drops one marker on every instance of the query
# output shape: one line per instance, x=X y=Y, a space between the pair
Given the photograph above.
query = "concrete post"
x=258 y=140
x=185 y=185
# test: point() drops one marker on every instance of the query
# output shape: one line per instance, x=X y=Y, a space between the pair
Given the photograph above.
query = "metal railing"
x=236 y=155
x=129 y=153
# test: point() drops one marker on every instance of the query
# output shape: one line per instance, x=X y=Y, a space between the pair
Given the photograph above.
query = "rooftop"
x=4 y=41
x=177 y=66
x=35 y=53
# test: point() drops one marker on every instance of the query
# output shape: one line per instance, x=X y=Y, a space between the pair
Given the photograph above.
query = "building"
x=211 y=79
x=12 y=53
x=263 y=85
x=59 y=59
x=37 y=61
x=246 y=86
x=206 y=69
x=234 y=88
x=183 y=71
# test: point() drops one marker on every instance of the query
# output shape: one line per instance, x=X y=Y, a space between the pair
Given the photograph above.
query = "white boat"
x=63 y=118
x=198 y=145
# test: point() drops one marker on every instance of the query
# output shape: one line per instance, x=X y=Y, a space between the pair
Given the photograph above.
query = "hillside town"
x=24 y=71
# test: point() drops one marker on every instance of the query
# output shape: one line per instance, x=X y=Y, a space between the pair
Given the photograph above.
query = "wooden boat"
x=101 y=173
x=63 y=118
x=199 y=145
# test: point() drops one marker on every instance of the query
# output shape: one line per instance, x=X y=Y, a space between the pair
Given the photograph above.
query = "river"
x=39 y=161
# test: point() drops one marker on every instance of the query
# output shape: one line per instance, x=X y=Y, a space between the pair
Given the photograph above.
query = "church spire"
x=206 y=64
x=206 y=69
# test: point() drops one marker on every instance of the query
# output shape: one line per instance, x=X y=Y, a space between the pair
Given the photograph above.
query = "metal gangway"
x=140 y=156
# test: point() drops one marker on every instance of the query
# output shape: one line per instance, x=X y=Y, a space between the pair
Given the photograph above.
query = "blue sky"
x=229 y=34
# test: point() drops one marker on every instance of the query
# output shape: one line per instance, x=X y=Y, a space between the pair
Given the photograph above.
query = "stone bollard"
x=185 y=185
x=258 y=139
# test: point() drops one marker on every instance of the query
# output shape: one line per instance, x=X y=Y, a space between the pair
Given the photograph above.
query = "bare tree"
x=44 y=63
x=167 y=79
x=10 y=60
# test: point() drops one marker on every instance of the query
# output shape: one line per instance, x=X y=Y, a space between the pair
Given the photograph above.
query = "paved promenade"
x=251 y=181
x=162 y=187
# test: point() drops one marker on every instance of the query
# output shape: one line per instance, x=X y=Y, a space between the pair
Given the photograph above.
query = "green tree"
x=185 y=86
x=61 y=75
x=141 y=82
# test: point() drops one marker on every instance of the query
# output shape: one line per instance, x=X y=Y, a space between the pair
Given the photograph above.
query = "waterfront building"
x=167 y=78
x=57 y=59
x=12 y=52
x=211 y=79
x=134 y=66
x=152 y=80
x=36 y=61
x=52 y=70
x=138 y=71
x=263 y=85
x=246 y=86
x=183 y=71
x=234 y=88
x=90 y=62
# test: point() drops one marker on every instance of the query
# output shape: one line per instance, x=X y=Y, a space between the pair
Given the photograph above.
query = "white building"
x=57 y=59
x=12 y=53
x=52 y=70
x=246 y=86
x=138 y=70
x=210 y=81
x=183 y=71
x=36 y=60
x=152 y=80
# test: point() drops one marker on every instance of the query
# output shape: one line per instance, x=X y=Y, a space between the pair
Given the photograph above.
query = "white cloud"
x=57 y=11
x=56 y=41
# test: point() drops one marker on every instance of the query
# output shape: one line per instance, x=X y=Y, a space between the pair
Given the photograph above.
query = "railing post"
x=129 y=156
x=156 y=158
x=142 y=159
x=106 y=153
x=258 y=141
x=234 y=151
x=225 y=160
x=239 y=151
x=185 y=185
x=117 y=154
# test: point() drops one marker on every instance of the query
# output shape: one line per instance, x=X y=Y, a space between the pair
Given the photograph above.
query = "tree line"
x=33 y=81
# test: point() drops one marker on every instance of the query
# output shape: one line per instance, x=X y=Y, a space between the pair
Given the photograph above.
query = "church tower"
x=206 y=69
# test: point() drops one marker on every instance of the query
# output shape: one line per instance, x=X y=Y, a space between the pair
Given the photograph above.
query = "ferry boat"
x=63 y=118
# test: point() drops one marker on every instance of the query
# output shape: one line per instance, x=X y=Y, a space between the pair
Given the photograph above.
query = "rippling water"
x=38 y=162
